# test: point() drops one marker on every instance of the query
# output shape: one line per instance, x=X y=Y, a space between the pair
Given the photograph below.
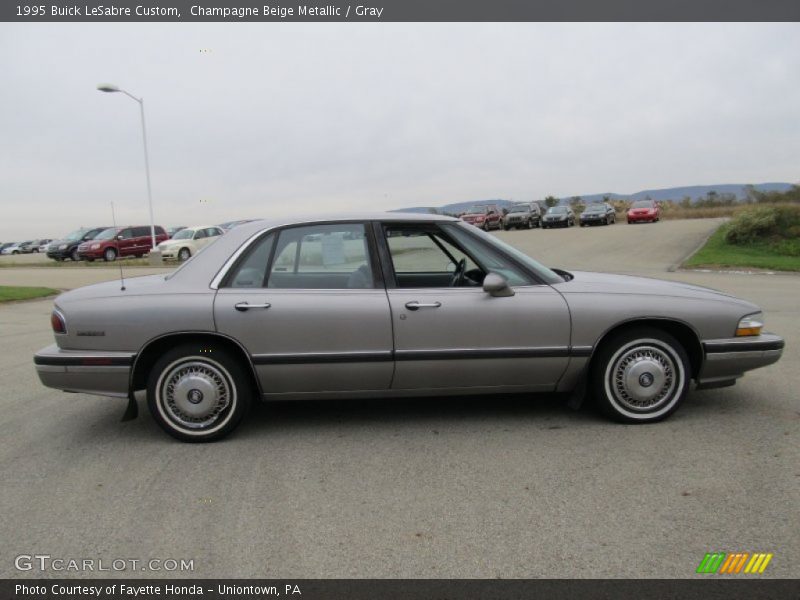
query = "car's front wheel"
x=198 y=393
x=640 y=375
x=184 y=254
x=74 y=255
x=110 y=255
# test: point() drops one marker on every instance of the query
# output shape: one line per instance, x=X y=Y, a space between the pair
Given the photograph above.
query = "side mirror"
x=497 y=285
x=119 y=237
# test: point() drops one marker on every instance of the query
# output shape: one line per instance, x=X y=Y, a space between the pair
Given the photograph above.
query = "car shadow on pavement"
x=545 y=410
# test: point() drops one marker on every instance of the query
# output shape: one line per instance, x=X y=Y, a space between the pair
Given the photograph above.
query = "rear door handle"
x=243 y=306
x=417 y=305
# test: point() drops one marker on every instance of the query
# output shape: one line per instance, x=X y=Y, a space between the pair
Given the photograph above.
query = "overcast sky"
x=277 y=118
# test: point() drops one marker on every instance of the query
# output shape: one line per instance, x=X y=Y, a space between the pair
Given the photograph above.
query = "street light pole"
x=108 y=87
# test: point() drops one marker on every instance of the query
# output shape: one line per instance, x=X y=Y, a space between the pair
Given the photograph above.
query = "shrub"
x=751 y=225
x=763 y=223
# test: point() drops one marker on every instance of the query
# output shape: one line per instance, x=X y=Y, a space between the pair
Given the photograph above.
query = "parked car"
x=43 y=244
x=189 y=241
x=6 y=245
x=17 y=247
x=267 y=313
x=34 y=246
x=171 y=231
x=598 y=214
x=68 y=246
x=644 y=211
x=558 y=216
x=525 y=215
x=485 y=216
x=119 y=242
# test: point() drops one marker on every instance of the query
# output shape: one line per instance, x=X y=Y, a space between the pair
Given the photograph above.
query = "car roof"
x=201 y=227
x=258 y=225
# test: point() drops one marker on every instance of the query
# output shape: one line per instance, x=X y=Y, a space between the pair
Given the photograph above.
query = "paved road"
x=484 y=487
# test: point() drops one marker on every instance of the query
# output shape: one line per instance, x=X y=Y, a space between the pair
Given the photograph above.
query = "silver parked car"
x=390 y=305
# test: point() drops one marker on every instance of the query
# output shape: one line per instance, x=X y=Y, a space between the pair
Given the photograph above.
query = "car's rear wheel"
x=110 y=255
x=640 y=376
x=184 y=254
x=198 y=393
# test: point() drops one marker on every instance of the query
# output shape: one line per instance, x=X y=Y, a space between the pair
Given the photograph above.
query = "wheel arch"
x=154 y=348
x=686 y=335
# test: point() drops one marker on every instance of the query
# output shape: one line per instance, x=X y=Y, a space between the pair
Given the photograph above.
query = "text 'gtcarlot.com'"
x=46 y=562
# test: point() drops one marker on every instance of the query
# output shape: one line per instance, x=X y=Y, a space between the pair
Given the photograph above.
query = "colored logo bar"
x=734 y=563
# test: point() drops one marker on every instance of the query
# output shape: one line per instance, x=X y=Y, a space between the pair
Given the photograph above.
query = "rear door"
x=309 y=305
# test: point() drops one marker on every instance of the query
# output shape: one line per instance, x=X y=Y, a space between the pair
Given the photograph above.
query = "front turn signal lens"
x=750 y=325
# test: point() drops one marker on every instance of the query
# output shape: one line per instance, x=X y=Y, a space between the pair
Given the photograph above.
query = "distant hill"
x=675 y=194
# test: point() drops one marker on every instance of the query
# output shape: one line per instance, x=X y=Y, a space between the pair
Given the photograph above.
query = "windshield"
x=557 y=210
x=642 y=204
x=477 y=210
x=595 y=208
x=520 y=208
x=184 y=234
x=75 y=235
x=107 y=234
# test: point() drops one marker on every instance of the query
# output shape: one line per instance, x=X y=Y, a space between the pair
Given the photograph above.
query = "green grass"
x=9 y=293
x=718 y=253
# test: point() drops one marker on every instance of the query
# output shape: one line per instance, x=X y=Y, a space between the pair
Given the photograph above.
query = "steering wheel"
x=458 y=275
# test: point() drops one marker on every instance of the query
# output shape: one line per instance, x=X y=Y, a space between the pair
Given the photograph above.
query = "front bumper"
x=644 y=217
x=89 y=372
x=56 y=253
x=728 y=359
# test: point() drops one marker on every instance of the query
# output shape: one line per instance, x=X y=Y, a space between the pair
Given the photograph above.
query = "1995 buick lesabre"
x=391 y=305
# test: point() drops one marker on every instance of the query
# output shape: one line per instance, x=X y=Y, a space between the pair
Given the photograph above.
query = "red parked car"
x=121 y=241
x=484 y=216
x=644 y=211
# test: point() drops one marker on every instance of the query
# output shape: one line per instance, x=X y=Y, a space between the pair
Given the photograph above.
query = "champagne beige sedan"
x=388 y=305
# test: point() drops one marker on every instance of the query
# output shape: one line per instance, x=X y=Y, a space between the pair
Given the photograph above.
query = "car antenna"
x=116 y=241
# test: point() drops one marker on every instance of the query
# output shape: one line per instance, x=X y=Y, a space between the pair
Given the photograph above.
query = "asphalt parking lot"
x=511 y=487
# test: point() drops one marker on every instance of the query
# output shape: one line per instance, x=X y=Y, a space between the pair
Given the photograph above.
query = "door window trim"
x=222 y=279
x=436 y=227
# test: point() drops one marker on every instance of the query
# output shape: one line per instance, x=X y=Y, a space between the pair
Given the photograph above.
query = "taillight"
x=57 y=322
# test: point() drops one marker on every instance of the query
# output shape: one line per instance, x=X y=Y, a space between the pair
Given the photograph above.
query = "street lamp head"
x=108 y=87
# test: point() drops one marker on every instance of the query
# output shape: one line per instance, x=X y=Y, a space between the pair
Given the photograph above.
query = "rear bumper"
x=728 y=359
x=89 y=372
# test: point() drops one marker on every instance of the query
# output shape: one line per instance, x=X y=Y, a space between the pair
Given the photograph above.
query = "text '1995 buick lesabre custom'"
x=380 y=305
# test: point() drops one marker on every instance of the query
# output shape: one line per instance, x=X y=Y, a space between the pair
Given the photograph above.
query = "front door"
x=307 y=305
x=450 y=333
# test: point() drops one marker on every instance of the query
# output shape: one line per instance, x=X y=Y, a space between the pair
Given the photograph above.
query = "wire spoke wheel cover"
x=196 y=394
x=644 y=379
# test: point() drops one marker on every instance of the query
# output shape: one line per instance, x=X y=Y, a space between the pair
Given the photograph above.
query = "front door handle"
x=243 y=306
x=417 y=305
